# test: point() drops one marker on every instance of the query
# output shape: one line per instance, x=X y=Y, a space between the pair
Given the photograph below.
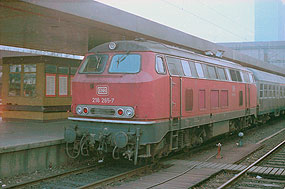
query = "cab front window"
x=125 y=63
x=94 y=64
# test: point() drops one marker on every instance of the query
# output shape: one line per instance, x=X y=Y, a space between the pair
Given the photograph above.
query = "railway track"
x=86 y=177
x=256 y=181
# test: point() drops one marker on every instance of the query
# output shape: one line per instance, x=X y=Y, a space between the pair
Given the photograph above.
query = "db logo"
x=102 y=90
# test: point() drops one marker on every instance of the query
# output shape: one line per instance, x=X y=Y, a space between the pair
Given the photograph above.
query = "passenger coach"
x=143 y=99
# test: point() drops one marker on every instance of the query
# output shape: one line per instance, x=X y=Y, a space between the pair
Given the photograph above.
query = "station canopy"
x=73 y=27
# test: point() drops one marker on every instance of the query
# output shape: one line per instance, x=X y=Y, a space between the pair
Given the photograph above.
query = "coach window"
x=159 y=66
x=221 y=73
x=269 y=90
x=186 y=68
x=261 y=91
x=212 y=72
x=199 y=70
x=174 y=66
x=240 y=98
x=265 y=89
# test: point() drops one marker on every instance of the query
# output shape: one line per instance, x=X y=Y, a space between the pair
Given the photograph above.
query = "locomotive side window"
x=235 y=75
x=251 y=78
x=193 y=69
x=221 y=73
x=206 y=74
x=186 y=68
x=94 y=64
x=189 y=100
x=239 y=76
x=175 y=67
x=125 y=63
x=159 y=66
x=246 y=77
x=212 y=72
x=199 y=70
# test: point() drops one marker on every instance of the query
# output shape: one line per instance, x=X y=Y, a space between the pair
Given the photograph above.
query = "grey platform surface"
x=28 y=134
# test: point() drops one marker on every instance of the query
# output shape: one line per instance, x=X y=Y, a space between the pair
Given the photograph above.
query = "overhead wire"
x=201 y=18
x=212 y=23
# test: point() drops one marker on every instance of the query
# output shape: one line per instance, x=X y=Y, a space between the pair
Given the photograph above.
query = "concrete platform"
x=23 y=135
x=27 y=146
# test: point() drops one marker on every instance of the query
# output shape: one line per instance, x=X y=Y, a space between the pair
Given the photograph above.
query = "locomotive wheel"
x=73 y=149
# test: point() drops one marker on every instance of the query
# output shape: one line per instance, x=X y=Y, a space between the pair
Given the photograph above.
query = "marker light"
x=85 y=110
x=120 y=112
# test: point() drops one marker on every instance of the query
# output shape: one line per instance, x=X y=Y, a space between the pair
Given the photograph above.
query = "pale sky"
x=213 y=20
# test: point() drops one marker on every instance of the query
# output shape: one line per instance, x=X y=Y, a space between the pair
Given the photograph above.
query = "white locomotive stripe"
x=112 y=121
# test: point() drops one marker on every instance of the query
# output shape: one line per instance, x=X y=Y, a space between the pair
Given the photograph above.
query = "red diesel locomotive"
x=143 y=99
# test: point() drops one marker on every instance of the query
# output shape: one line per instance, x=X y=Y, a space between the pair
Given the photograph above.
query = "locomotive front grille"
x=100 y=111
x=105 y=111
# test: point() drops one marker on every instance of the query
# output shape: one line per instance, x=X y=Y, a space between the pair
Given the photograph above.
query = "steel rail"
x=36 y=181
x=233 y=179
x=116 y=177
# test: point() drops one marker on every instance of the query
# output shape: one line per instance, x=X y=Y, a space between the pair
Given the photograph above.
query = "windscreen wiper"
x=122 y=58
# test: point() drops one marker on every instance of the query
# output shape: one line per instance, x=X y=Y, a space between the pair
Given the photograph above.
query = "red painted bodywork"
x=150 y=93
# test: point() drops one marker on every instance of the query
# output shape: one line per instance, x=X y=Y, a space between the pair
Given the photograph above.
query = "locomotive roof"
x=267 y=77
x=143 y=45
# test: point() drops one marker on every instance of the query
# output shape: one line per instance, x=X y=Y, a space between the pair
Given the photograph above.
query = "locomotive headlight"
x=79 y=110
x=129 y=112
